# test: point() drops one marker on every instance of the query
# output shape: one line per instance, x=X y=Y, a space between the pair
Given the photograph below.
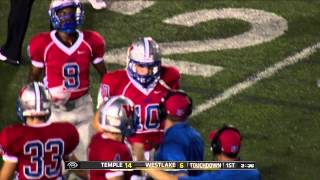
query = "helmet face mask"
x=144 y=53
x=117 y=116
x=66 y=15
x=34 y=101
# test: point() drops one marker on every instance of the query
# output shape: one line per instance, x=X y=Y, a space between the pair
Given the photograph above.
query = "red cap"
x=230 y=140
x=178 y=105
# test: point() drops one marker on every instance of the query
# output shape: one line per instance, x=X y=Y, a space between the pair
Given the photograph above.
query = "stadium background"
x=279 y=115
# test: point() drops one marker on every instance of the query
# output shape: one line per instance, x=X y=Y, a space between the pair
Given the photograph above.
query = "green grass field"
x=279 y=116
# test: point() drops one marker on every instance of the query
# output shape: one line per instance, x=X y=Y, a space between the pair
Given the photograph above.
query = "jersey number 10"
x=148 y=120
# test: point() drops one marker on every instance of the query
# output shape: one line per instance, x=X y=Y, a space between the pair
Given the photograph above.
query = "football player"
x=145 y=81
x=65 y=55
x=36 y=148
x=116 y=120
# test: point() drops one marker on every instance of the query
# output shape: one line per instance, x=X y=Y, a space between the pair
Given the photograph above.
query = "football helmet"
x=34 y=100
x=144 y=52
x=66 y=23
x=117 y=116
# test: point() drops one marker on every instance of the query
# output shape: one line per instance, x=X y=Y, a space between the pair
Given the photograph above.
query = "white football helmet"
x=71 y=20
x=34 y=100
x=117 y=116
x=144 y=52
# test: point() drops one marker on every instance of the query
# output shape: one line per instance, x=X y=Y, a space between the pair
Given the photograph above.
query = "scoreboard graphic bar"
x=165 y=165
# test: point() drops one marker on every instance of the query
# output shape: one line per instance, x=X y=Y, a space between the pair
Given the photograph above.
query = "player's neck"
x=67 y=39
x=34 y=121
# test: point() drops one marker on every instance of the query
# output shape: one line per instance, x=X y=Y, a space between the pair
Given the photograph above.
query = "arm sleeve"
x=36 y=52
x=2 y=143
x=171 y=76
x=98 y=48
x=7 y=152
x=175 y=81
x=176 y=84
x=173 y=152
x=73 y=139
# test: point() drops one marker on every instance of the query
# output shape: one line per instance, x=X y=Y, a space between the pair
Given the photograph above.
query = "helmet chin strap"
x=68 y=27
x=67 y=31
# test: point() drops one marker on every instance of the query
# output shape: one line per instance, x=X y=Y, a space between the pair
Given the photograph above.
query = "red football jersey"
x=38 y=150
x=103 y=149
x=66 y=68
x=149 y=130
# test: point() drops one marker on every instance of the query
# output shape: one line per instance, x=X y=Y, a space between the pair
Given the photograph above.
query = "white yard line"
x=119 y=56
x=194 y=69
x=129 y=7
x=126 y=7
x=265 y=27
x=239 y=87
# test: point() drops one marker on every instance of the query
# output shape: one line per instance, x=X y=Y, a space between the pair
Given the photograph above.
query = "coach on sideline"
x=225 y=145
x=181 y=142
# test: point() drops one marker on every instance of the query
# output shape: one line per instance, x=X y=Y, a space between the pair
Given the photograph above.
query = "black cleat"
x=8 y=60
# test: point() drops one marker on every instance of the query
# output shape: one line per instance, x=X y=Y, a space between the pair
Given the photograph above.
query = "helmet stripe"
x=37 y=93
x=146 y=47
x=102 y=119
